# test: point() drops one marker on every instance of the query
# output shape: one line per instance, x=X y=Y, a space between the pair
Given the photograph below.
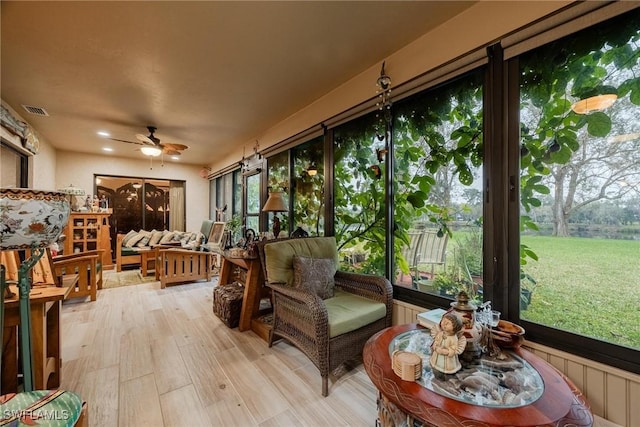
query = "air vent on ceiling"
x=38 y=111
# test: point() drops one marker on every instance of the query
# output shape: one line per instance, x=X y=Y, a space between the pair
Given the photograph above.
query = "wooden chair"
x=17 y=406
x=87 y=266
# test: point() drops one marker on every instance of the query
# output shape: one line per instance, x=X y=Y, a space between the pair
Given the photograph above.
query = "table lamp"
x=31 y=219
x=275 y=203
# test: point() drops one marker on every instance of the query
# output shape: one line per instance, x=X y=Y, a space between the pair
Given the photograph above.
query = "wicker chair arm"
x=306 y=305
x=366 y=285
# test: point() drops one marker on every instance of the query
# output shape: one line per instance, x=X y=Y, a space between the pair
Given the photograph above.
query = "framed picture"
x=216 y=234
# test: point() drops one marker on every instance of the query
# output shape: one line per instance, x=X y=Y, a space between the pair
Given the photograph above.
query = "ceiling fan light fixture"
x=151 y=151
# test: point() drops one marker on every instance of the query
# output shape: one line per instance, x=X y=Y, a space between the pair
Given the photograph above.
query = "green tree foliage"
x=568 y=151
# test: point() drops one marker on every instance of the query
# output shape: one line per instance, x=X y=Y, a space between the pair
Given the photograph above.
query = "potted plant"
x=527 y=286
x=450 y=283
x=233 y=227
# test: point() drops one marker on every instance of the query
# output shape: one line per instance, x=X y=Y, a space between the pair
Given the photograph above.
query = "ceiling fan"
x=151 y=145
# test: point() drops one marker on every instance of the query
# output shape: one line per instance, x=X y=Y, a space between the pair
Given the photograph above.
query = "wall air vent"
x=38 y=111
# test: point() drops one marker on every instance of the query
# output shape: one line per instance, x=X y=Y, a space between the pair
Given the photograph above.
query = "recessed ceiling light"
x=104 y=133
x=175 y=158
x=107 y=149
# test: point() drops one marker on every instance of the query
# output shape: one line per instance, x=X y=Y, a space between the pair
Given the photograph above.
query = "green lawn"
x=587 y=286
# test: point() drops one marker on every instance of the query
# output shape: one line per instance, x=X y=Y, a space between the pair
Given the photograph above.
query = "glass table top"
x=508 y=382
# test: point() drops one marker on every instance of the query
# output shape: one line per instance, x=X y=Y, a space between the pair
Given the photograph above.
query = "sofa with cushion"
x=328 y=314
x=129 y=246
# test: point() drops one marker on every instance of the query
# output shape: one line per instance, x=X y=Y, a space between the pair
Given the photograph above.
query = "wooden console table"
x=561 y=403
x=247 y=271
x=45 y=304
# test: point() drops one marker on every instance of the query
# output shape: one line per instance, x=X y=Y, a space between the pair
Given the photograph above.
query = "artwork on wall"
x=216 y=235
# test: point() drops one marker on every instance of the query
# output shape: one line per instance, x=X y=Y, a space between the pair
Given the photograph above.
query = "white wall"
x=42 y=165
x=79 y=169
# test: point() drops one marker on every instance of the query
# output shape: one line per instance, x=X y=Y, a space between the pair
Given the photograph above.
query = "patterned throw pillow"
x=167 y=237
x=128 y=237
x=146 y=236
x=134 y=240
x=314 y=275
x=155 y=237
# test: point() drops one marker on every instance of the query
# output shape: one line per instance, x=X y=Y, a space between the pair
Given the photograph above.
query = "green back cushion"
x=348 y=312
x=279 y=256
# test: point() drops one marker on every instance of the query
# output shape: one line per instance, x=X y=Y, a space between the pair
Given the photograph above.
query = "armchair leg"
x=325 y=386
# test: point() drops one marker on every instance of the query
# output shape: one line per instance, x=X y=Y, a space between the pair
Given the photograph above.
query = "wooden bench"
x=182 y=265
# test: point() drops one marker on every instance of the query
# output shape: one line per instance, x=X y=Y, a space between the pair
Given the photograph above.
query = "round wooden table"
x=561 y=403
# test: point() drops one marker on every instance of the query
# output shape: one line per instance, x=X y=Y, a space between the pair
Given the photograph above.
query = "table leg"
x=53 y=344
x=38 y=345
x=251 y=299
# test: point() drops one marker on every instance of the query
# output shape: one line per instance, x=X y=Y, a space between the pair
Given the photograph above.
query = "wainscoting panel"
x=613 y=394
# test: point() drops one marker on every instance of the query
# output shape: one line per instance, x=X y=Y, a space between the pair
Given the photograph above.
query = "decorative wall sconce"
x=248 y=163
x=204 y=172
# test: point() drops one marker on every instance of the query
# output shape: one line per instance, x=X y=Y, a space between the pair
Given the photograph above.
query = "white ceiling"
x=211 y=75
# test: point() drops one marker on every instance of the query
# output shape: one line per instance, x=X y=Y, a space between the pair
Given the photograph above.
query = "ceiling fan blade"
x=128 y=142
x=176 y=146
x=144 y=139
x=171 y=152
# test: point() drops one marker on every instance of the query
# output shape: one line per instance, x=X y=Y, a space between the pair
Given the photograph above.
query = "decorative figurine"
x=465 y=309
x=448 y=343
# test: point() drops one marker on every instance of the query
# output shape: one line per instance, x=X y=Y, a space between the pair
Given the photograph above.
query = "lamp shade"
x=31 y=218
x=275 y=203
x=151 y=151
x=72 y=191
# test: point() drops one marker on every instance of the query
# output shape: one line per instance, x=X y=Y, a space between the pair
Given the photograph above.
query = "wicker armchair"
x=303 y=318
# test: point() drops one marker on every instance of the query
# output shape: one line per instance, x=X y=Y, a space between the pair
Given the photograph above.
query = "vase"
x=31 y=218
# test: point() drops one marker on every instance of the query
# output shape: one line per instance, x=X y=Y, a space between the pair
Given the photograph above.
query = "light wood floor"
x=143 y=356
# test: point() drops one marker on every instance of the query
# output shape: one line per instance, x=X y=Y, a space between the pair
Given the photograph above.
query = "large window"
x=438 y=149
x=278 y=180
x=308 y=187
x=359 y=195
x=502 y=178
x=13 y=168
x=580 y=183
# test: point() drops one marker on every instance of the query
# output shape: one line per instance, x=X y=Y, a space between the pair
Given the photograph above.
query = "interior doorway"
x=136 y=203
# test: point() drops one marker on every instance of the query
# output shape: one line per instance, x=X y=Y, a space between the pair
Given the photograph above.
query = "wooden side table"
x=251 y=276
x=561 y=404
x=45 y=334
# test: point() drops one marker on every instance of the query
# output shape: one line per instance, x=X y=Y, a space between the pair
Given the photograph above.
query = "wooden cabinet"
x=87 y=231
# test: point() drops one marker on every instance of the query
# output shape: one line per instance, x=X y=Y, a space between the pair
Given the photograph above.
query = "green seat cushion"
x=129 y=251
x=279 y=256
x=348 y=312
x=57 y=408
